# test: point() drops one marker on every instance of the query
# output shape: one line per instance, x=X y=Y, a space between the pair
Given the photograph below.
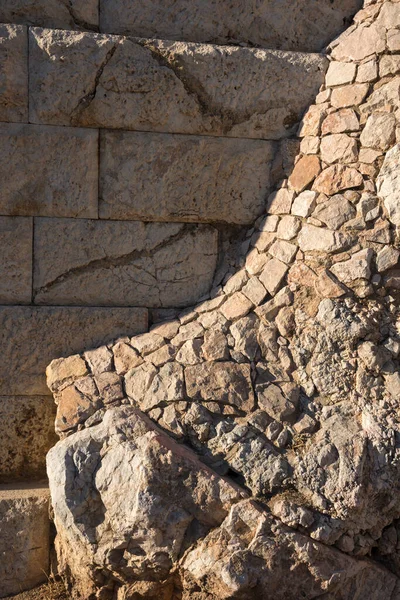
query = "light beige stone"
x=288 y=228
x=340 y=73
x=367 y=71
x=312 y=120
x=255 y=261
x=304 y=172
x=358 y=267
x=25 y=537
x=161 y=356
x=389 y=16
x=125 y=358
x=387 y=258
x=147 y=343
x=359 y=42
x=73 y=14
x=99 y=360
x=54 y=171
x=13 y=73
x=388 y=184
x=393 y=40
x=144 y=176
x=328 y=287
x=236 y=307
x=254 y=291
x=339 y=147
x=263 y=240
x=122 y=263
x=389 y=65
x=268 y=311
x=318 y=239
x=188 y=332
x=284 y=24
x=270 y=223
x=27 y=426
x=33 y=336
x=273 y=274
x=310 y=144
x=190 y=352
x=379 y=131
x=304 y=204
x=280 y=202
x=198 y=97
x=15 y=260
x=283 y=251
x=368 y=155
x=349 y=95
x=64 y=371
x=337 y=178
x=215 y=346
x=335 y=212
x=382 y=98
x=340 y=121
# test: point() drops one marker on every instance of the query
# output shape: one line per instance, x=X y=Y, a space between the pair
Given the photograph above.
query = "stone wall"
x=127 y=166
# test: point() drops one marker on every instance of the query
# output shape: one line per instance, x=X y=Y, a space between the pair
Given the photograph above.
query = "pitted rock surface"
x=285 y=380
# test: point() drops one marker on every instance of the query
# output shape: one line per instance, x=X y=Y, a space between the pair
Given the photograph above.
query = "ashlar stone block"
x=64 y=14
x=120 y=263
x=162 y=177
x=94 y=80
x=31 y=337
x=16 y=260
x=48 y=171
x=13 y=73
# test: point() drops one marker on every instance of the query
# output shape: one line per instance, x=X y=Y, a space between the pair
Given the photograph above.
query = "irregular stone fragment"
x=311 y=122
x=337 y=178
x=255 y=261
x=318 y=239
x=164 y=354
x=236 y=306
x=273 y=274
x=215 y=346
x=110 y=387
x=359 y=43
x=16 y=235
x=339 y=73
x=254 y=291
x=389 y=65
x=385 y=95
x=304 y=172
x=367 y=71
x=166 y=386
x=188 y=332
x=288 y=227
x=271 y=399
x=74 y=408
x=229 y=178
x=125 y=358
x=310 y=144
x=147 y=342
x=340 y=121
x=280 y=202
x=270 y=223
x=57 y=171
x=139 y=87
x=335 y=212
x=122 y=263
x=99 y=360
x=190 y=352
x=328 y=287
x=270 y=309
x=358 y=267
x=138 y=381
x=349 y=95
x=339 y=147
x=306 y=424
x=388 y=184
x=236 y=282
x=304 y=204
x=283 y=251
x=225 y=383
x=387 y=258
x=244 y=333
x=14 y=73
x=63 y=371
x=393 y=40
x=379 y=131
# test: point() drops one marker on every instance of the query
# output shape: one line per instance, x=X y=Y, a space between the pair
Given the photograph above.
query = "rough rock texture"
x=306 y=26
x=14 y=73
x=96 y=80
x=145 y=176
x=55 y=171
x=31 y=336
x=16 y=236
x=115 y=263
x=68 y=14
x=27 y=426
x=24 y=540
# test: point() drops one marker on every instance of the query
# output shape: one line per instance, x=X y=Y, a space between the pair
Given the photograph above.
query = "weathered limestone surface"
x=54 y=171
x=119 y=263
x=27 y=426
x=24 y=540
x=16 y=234
x=96 y=80
x=67 y=14
x=13 y=73
x=30 y=337
x=306 y=26
x=157 y=177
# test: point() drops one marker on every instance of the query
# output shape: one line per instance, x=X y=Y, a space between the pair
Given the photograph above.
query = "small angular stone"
x=358 y=267
x=147 y=343
x=339 y=147
x=110 y=387
x=349 y=95
x=311 y=122
x=379 y=131
x=288 y=227
x=236 y=306
x=283 y=251
x=304 y=172
x=125 y=358
x=337 y=178
x=215 y=346
x=99 y=360
x=340 y=73
x=340 y=121
x=335 y=212
x=254 y=291
x=273 y=274
x=63 y=371
x=280 y=202
x=189 y=352
x=387 y=258
x=304 y=204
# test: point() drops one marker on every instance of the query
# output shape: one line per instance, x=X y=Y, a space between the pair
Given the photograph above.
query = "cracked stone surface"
x=86 y=79
x=284 y=380
x=119 y=263
x=144 y=177
x=67 y=14
x=57 y=171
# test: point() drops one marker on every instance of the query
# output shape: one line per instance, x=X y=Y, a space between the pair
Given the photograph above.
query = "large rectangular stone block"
x=16 y=260
x=48 y=171
x=162 y=177
x=27 y=434
x=24 y=537
x=93 y=80
x=31 y=337
x=306 y=25
x=13 y=73
x=66 y=14
x=121 y=263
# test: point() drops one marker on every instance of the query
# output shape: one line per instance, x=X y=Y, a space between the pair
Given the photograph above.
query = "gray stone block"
x=304 y=25
x=25 y=537
x=27 y=434
x=66 y=14
x=162 y=177
x=48 y=171
x=93 y=80
x=120 y=263
x=13 y=73
x=31 y=337
x=16 y=260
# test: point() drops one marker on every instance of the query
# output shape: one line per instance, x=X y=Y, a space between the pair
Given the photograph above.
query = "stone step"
x=24 y=537
x=304 y=25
